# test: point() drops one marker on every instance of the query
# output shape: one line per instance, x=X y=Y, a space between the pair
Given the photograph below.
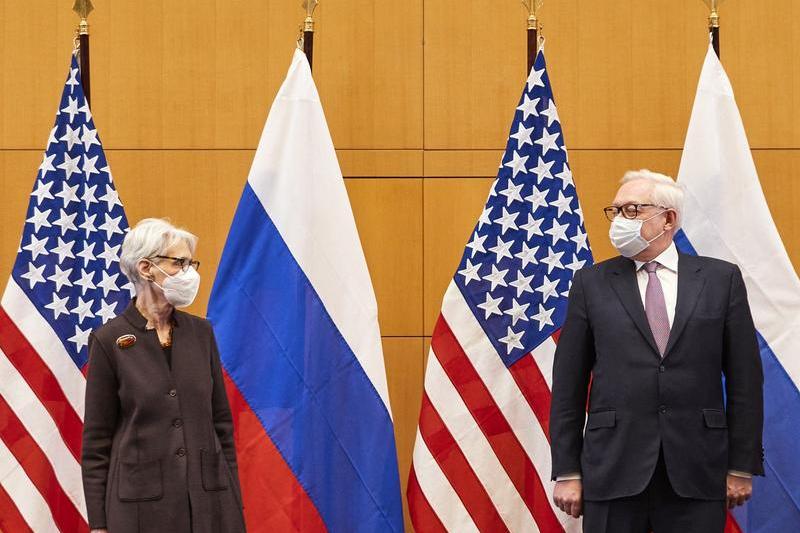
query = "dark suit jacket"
x=638 y=402
x=158 y=450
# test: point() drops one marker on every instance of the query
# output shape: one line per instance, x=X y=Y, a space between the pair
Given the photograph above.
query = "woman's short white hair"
x=150 y=237
x=666 y=191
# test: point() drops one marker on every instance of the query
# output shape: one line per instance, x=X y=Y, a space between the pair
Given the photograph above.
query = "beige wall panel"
x=181 y=74
x=778 y=171
x=388 y=214
x=624 y=73
x=466 y=163
x=383 y=163
x=194 y=74
x=474 y=69
x=405 y=374
x=17 y=174
x=451 y=209
x=760 y=48
x=368 y=66
x=35 y=43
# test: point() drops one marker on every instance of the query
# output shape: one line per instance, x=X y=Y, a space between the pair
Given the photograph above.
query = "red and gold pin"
x=126 y=341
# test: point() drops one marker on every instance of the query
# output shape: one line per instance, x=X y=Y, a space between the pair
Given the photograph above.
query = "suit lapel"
x=623 y=280
x=690 y=285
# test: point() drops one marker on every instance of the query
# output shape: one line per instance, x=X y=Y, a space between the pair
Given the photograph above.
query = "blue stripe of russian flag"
x=301 y=379
x=775 y=506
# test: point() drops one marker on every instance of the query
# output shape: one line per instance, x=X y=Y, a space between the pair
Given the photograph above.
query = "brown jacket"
x=158 y=451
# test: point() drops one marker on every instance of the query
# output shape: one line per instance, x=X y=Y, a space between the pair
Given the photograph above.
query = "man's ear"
x=672 y=218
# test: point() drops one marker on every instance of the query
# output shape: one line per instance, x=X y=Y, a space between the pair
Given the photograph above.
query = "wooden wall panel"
x=624 y=72
x=778 y=171
x=17 y=174
x=182 y=74
x=405 y=374
x=388 y=213
x=451 y=209
x=35 y=42
x=368 y=65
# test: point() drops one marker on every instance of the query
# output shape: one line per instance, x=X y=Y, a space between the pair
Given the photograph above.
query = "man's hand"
x=568 y=496
x=739 y=490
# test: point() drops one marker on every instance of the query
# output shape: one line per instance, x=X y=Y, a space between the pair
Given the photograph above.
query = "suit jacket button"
x=173 y=392
x=181 y=452
x=662 y=409
x=177 y=422
x=662 y=368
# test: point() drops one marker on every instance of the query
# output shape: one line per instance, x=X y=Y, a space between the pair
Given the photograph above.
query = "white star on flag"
x=513 y=339
x=517 y=164
x=544 y=316
x=491 y=306
x=497 y=277
x=517 y=311
x=507 y=221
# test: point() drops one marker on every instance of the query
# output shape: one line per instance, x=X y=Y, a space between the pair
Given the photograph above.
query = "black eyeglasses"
x=181 y=262
x=629 y=211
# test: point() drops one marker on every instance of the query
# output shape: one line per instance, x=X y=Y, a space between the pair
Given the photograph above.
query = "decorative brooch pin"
x=126 y=341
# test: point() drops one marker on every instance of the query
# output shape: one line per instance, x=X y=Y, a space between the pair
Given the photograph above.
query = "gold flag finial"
x=83 y=8
x=713 y=18
x=532 y=6
x=309 y=6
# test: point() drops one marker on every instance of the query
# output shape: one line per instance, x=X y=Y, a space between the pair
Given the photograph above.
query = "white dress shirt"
x=667 y=273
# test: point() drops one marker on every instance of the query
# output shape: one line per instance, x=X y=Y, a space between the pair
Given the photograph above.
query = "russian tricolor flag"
x=296 y=321
x=726 y=216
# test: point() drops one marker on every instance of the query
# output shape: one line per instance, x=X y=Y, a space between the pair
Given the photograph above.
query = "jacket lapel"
x=690 y=285
x=623 y=280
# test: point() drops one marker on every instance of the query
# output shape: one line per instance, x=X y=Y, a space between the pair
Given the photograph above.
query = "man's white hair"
x=149 y=238
x=666 y=191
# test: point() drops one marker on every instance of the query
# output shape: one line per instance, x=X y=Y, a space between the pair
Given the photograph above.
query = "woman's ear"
x=143 y=266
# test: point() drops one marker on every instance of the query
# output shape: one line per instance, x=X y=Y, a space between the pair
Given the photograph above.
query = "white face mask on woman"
x=626 y=235
x=180 y=289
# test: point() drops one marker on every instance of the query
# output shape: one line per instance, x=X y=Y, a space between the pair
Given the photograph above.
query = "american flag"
x=481 y=458
x=65 y=282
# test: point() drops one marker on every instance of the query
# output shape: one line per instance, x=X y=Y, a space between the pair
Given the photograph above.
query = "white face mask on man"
x=179 y=289
x=626 y=235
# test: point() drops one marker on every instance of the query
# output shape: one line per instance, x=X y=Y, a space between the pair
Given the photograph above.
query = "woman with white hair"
x=158 y=451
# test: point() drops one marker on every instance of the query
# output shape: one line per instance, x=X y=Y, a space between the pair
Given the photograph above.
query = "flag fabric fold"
x=295 y=316
x=65 y=282
x=726 y=216
x=481 y=457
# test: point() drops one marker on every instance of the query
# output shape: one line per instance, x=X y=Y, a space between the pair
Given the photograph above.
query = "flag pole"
x=83 y=8
x=308 y=30
x=532 y=6
x=713 y=23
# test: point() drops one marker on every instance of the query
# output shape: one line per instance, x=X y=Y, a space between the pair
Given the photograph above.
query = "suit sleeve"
x=744 y=382
x=223 y=420
x=99 y=425
x=572 y=368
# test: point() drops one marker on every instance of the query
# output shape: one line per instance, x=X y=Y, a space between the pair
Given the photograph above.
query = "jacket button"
x=662 y=409
x=173 y=392
x=662 y=368
x=181 y=452
x=177 y=422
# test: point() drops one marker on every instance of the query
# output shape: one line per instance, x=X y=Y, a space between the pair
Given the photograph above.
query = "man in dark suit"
x=648 y=337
